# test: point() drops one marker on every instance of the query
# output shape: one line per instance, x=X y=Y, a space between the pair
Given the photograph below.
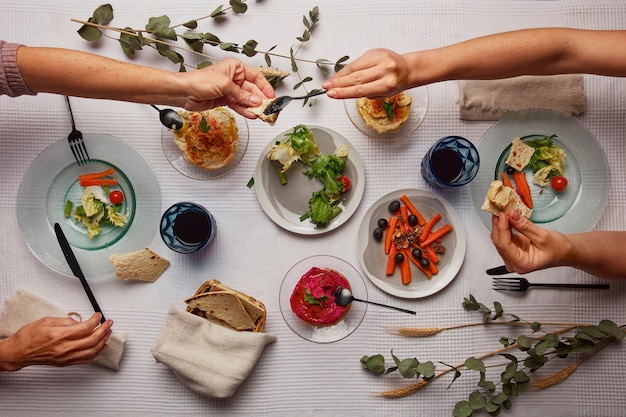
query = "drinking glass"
x=187 y=227
x=452 y=161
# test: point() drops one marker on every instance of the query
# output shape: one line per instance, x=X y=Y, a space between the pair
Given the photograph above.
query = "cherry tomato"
x=559 y=183
x=116 y=197
x=346 y=183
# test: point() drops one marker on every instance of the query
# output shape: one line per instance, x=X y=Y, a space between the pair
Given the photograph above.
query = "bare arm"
x=76 y=73
x=599 y=253
x=548 y=51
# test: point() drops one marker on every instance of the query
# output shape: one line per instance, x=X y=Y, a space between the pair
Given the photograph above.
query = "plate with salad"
x=565 y=183
x=109 y=205
x=309 y=180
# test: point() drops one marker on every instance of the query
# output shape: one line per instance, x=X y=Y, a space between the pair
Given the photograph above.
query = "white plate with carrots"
x=423 y=221
x=54 y=177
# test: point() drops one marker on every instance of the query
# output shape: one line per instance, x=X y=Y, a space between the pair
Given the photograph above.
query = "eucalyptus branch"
x=492 y=396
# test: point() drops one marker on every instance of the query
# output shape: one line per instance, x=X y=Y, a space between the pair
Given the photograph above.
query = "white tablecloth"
x=251 y=253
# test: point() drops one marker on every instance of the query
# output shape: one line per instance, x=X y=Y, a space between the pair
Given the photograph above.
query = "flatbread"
x=254 y=308
x=375 y=116
x=225 y=306
x=209 y=139
x=520 y=154
x=142 y=265
x=503 y=199
x=258 y=110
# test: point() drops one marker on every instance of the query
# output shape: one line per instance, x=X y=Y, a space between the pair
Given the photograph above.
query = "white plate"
x=374 y=260
x=580 y=206
x=52 y=178
x=175 y=156
x=324 y=334
x=284 y=204
x=419 y=108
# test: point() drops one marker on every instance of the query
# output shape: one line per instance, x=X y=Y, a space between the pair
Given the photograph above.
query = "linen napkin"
x=25 y=307
x=208 y=358
x=494 y=99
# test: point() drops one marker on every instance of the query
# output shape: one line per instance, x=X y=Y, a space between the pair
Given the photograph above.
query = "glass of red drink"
x=187 y=227
x=451 y=162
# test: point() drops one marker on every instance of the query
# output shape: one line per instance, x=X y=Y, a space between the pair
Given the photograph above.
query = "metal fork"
x=522 y=284
x=281 y=102
x=75 y=139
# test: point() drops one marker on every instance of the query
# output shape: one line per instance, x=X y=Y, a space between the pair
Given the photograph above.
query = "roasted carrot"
x=391 y=261
x=433 y=268
x=437 y=234
x=411 y=207
x=405 y=269
x=431 y=254
x=391 y=230
x=426 y=271
x=86 y=182
x=429 y=226
x=105 y=173
x=506 y=181
x=523 y=187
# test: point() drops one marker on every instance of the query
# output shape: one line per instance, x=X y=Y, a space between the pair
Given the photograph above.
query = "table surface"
x=252 y=254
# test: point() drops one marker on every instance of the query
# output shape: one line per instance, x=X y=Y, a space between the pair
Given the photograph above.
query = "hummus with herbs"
x=209 y=138
x=385 y=114
x=312 y=299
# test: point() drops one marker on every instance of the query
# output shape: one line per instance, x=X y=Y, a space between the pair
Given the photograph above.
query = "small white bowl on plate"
x=374 y=260
x=419 y=108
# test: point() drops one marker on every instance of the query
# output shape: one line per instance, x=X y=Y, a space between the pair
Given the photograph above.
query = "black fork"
x=75 y=139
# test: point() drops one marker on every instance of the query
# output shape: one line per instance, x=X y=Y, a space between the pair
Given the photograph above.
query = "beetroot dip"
x=312 y=299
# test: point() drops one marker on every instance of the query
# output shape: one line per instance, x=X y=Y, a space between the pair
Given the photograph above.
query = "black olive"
x=383 y=223
x=394 y=206
x=424 y=262
x=417 y=253
x=509 y=170
x=412 y=220
x=378 y=233
x=399 y=258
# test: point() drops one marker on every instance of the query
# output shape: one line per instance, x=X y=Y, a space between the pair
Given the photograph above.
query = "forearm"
x=601 y=253
x=524 y=52
x=7 y=362
x=75 y=73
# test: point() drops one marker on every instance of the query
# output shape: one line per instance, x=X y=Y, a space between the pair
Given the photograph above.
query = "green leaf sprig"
x=309 y=298
x=532 y=352
x=161 y=35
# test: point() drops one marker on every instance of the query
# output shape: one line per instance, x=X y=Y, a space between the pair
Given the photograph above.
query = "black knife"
x=498 y=270
x=73 y=263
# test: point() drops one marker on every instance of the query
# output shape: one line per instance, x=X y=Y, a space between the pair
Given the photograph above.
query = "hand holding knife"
x=75 y=267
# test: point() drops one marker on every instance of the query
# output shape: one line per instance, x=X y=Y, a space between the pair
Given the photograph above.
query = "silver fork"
x=281 y=102
x=75 y=139
x=522 y=284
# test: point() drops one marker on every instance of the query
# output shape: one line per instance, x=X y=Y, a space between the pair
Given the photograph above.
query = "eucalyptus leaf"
x=249 y=49
x=492 y=408
x=523 y=342
x=229 y=46
x=427 y=369
x=407 y=368
x=103 y=14
x=510 y=370
x=192 y=24
x=204 y=64
x=218 y=12
x=612 y=329
x=89 y=33
x=374 y=364
x=541 y=347
x=475 y=364
x=463 y=409
x=593 y=331
x=499 y=311
x=499 y=398
x=160 y=27
x=477 y=401
x=535 y=326
x=521 y=378
x=238 y=6
x=488 y=385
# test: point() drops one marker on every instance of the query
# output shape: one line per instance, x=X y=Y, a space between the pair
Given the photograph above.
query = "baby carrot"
x=426 y=271
x=436 y=234
x=391 y=229
x=391 y=261
x=506 y=181
x=106 y=172
x=429 y=226
x=405 y=269
x=85 y=182
x=411 y=207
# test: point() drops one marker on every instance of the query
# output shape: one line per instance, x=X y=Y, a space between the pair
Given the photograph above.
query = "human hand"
x=532 y=249
x=228 y=83
x=376 y=73
x=56 y=342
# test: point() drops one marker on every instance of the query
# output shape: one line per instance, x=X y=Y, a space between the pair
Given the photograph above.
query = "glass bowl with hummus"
x=307 y=302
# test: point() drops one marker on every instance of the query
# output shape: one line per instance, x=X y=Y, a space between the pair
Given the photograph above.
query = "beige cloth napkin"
x=494 y=99
x=208 y=358
x=25 y=307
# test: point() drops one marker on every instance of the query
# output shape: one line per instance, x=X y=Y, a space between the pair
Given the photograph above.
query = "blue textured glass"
x=469 y=160
x=169 y=236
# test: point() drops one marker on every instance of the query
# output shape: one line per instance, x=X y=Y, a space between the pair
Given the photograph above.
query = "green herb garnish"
x=204 y=125
x=308 y=297
x=388 y=109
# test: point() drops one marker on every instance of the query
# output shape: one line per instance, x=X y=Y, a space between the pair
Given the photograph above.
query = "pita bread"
x=225 y=306
x=252 y=307
x=520 y=154
x=142 y=265
x=503 y=199
x=258 y=110
x=375 y=115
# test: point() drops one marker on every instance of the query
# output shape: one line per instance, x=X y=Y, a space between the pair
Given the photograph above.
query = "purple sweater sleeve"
x=11 y=82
